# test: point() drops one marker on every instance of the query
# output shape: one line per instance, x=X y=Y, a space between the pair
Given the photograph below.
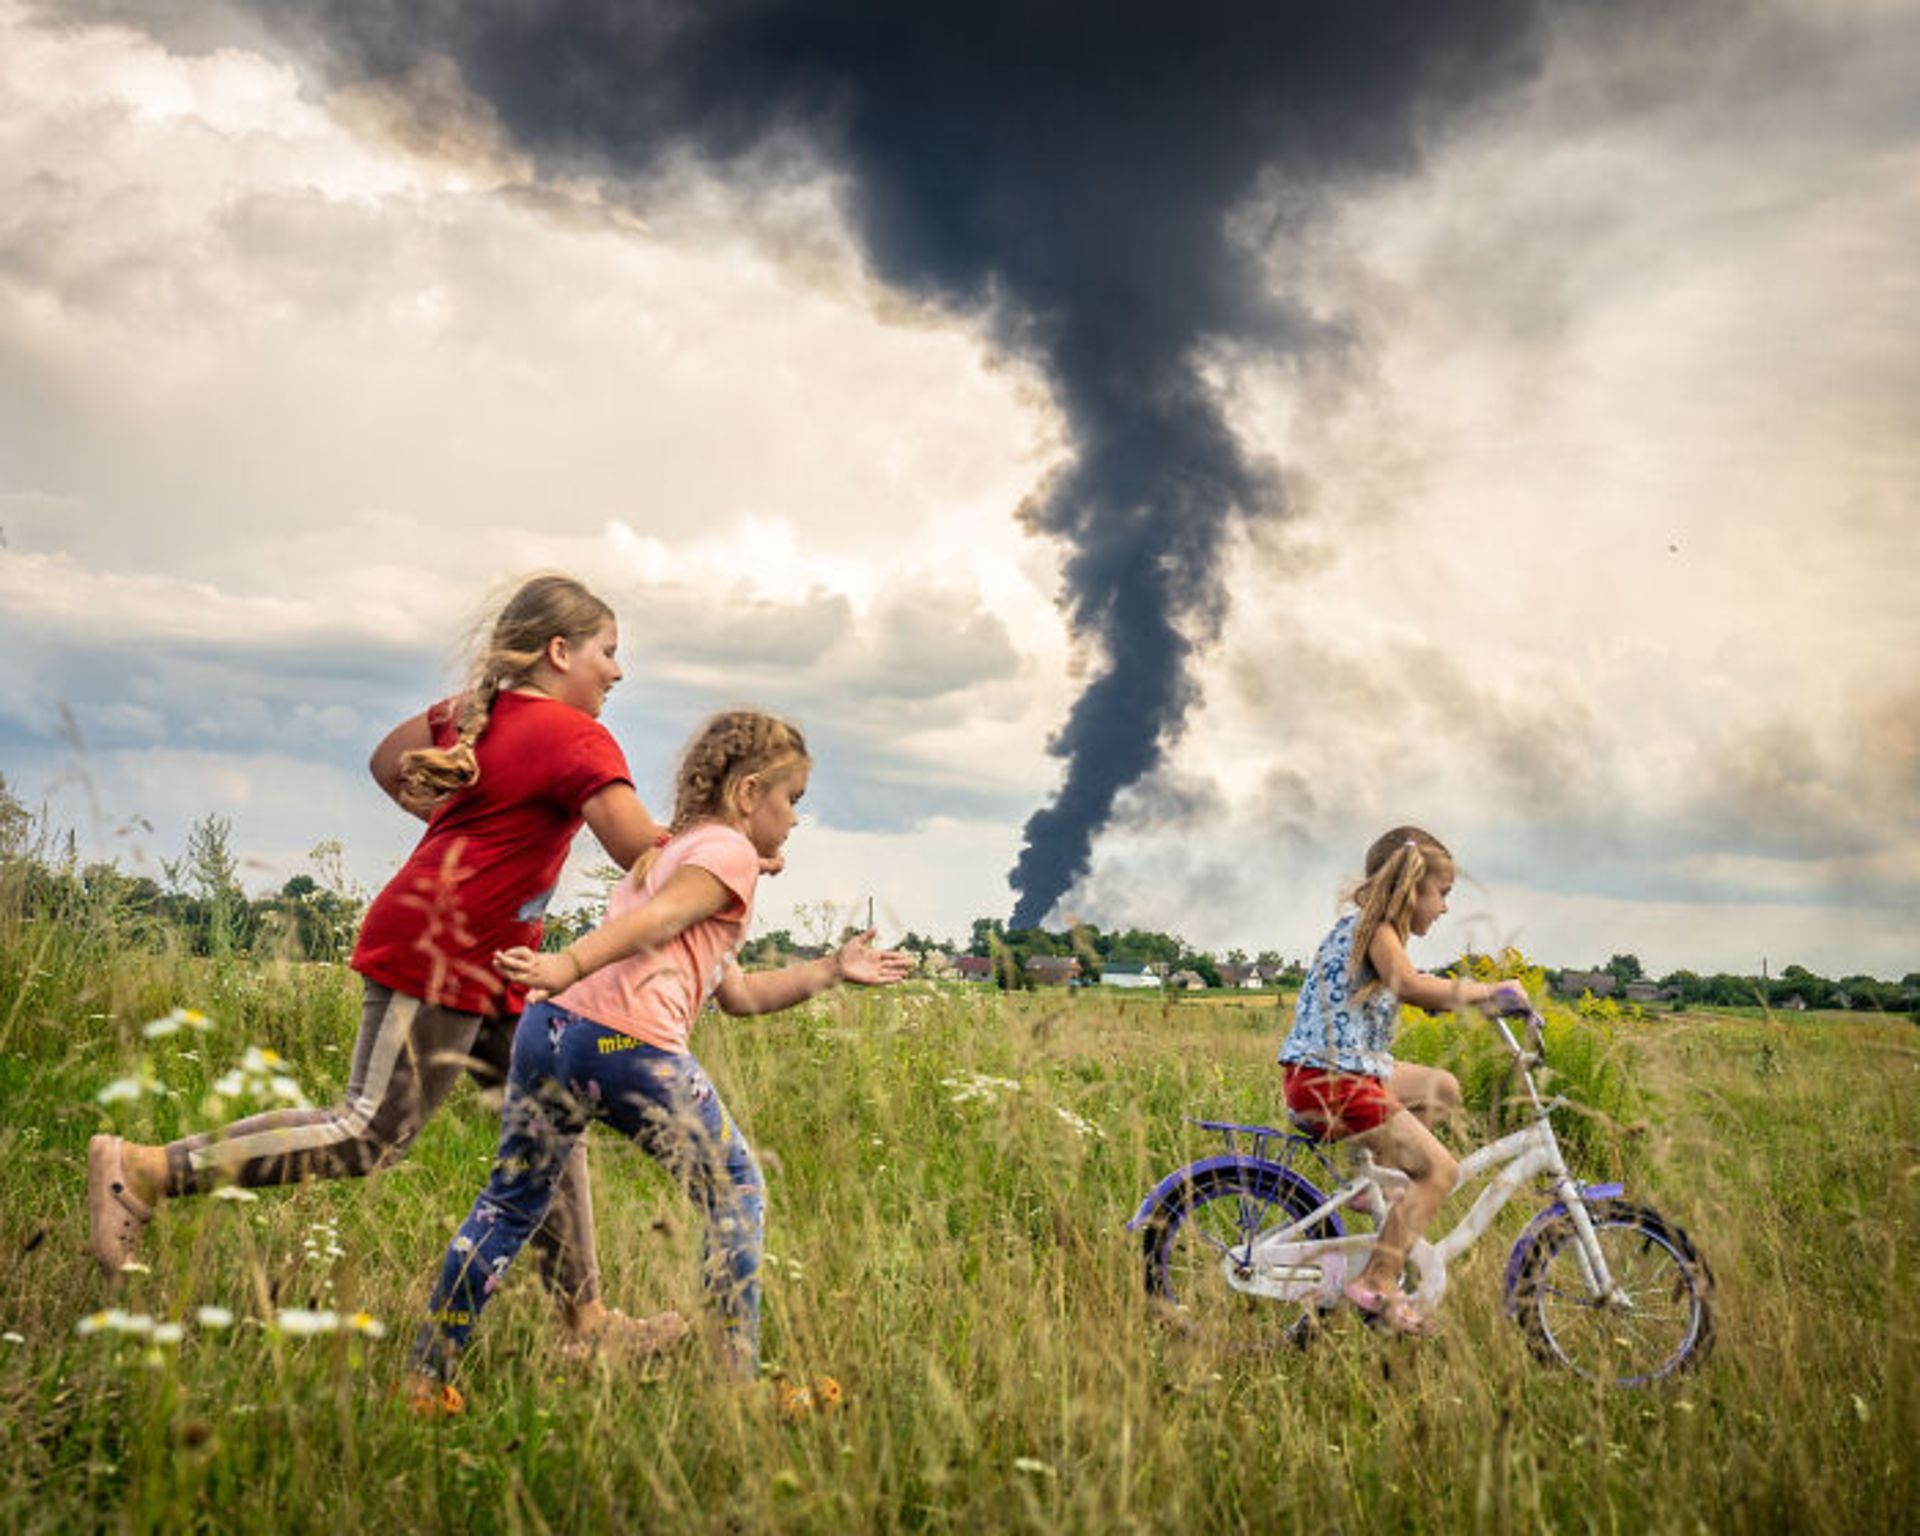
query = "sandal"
x=427 y=1397
x=1390 y=1309
x=115 y=1214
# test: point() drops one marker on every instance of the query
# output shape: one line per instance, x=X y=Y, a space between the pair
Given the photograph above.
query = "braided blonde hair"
x=542 y=609
x=1397 y=865
x=732 y=746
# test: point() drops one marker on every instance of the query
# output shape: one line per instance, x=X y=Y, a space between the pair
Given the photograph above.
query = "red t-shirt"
x=481 y=878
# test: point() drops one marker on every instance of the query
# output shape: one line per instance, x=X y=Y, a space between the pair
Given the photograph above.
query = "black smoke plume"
x=1066 y=168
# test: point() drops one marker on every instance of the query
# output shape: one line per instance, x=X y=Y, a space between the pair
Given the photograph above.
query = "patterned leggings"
x=409 y=1057
x=566 y=1071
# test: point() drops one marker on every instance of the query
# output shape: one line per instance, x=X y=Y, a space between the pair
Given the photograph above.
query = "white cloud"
x=1601 y=555
x=1602 y=546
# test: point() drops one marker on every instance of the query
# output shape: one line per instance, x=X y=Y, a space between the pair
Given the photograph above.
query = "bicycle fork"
x=1592 y=1262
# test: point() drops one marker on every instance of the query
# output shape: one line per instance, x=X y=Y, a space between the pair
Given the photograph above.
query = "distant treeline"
x=197 y=902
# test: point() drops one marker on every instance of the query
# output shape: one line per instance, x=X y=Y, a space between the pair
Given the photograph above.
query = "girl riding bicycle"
x=1340 y=1076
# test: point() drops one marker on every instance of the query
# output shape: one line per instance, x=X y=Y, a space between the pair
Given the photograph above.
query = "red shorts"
x=1338 y=1104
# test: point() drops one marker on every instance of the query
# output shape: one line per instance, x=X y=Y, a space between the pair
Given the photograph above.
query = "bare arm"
x=410 y=735
x=624 y=827
x=1435 y=993
x=689 y=897
x=769 y=991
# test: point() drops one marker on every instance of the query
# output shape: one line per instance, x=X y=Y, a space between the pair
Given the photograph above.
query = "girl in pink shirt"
x=608 y=1040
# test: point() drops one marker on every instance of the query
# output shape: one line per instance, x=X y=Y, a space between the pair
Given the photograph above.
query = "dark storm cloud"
x=1065 y=172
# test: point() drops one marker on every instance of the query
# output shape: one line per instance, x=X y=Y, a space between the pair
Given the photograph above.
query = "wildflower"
x=126 y=1089
x=167 y=1333
x=11 y=1337
x=261 y=1075
x=213 y=1318
x=366 y=1323
x=173 y=1023
x=977 y=1085
x=299 y=1322
x=234 y=1192
x=1034 y=1466
x=1080 y=1126
x=115 y=1320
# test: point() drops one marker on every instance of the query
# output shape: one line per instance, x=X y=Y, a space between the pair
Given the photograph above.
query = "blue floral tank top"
x=1332 y=1031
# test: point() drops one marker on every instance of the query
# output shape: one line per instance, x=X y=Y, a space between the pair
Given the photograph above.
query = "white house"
x=1128 y=976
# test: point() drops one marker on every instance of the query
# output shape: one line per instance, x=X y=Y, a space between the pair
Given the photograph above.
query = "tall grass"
x=952 y=1250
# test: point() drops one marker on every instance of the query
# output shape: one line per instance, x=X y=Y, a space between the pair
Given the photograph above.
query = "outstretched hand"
x=861 y=963
x=541 y=973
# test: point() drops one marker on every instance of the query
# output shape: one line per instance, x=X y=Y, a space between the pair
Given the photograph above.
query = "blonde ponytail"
x=542 y=609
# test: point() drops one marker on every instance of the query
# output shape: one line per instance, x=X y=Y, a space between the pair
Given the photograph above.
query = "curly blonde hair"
x=1398 y=863
x=730 y=747
x=543 y=608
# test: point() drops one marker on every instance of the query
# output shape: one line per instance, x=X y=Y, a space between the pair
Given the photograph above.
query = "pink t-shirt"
x=656 y=996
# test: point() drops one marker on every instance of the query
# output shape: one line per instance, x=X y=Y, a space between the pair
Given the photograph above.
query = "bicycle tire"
x=1186 y=1242
x=1669 y=1327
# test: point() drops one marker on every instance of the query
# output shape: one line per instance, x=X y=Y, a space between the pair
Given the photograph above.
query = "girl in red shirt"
x=503 y=774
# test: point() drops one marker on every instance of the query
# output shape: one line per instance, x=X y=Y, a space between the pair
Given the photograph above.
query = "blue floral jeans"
x=568 y=1070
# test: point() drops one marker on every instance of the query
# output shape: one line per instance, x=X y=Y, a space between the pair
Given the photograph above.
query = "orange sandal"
x=426 y=1397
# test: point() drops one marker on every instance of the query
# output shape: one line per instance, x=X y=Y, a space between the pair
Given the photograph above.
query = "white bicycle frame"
x=1283 y=1265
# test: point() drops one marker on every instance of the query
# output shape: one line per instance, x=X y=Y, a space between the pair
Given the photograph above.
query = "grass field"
x=952 y=1250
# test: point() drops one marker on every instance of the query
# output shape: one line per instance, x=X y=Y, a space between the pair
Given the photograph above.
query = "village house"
x=1190 y=981
x=973 y=967
x=1239 y=975
x=1573 y=983
x=1053 y=970
x=1128 y=976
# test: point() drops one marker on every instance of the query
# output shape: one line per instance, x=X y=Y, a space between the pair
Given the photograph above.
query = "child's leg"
x=405 y=1061
x=1430 y=1094
x=1404 y=1143
x=407 y=1058
x=564 y=1241
x=669 y=1105
x=539 y=1127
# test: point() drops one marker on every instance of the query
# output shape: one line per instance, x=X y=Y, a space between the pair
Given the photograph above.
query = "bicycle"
x=1606 y=1288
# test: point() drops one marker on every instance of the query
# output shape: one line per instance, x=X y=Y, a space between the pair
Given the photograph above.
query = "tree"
x=1624 y=968
x=1201 y=964
x=218 y=917
x=16 y=821
x=987 y=931
x=1688 y=987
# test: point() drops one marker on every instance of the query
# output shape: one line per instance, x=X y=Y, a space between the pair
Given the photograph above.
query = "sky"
x=1155 y=461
